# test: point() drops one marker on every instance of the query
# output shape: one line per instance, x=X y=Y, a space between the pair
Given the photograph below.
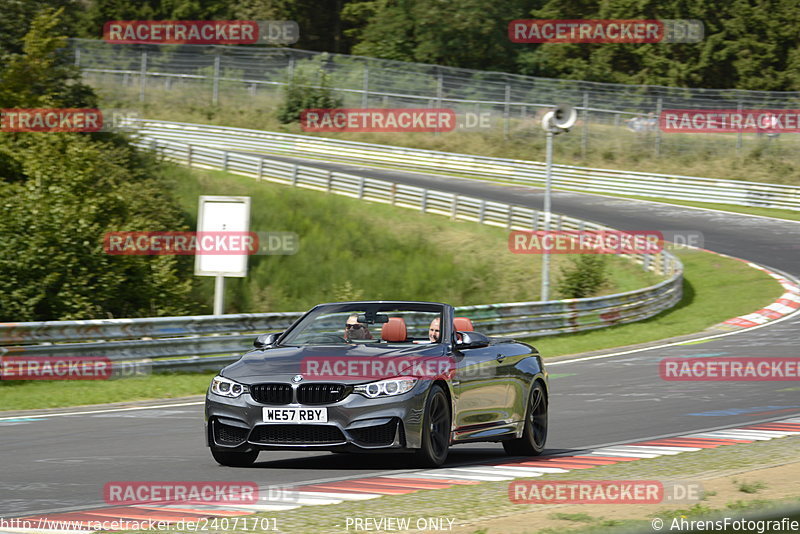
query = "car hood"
x=280 y=364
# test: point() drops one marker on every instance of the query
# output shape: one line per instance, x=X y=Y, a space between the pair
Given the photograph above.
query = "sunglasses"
x=354 y=326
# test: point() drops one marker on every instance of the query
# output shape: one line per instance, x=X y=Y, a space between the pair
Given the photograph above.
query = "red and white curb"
x=403 y=483
x=788 y=303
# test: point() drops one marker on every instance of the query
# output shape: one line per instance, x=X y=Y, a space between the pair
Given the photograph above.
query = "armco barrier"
x=665 y=186
x=208 y=342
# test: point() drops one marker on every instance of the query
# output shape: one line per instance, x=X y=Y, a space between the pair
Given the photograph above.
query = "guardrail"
x=674 y=187
x=208 y=342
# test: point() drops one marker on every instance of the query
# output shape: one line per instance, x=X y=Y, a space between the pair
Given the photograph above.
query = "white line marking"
x=108 y=410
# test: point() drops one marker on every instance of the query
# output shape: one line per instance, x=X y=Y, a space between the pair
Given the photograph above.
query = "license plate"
x=295 y=415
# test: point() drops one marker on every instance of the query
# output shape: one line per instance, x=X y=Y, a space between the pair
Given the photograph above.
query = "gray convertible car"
x=376 y=376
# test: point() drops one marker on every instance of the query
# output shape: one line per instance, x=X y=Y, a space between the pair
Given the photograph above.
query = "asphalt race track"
x=62 y=462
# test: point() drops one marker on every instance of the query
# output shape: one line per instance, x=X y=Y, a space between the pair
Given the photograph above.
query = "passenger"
x=434 y=332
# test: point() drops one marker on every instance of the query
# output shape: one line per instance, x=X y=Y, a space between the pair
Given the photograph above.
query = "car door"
x=481 y=393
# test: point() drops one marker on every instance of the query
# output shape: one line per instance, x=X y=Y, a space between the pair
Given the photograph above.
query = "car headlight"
x=386 y=388
x=227 y=388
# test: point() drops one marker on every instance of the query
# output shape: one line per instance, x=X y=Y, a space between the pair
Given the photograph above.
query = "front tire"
x=235 y=459
x=435 y=430
x=534 y=434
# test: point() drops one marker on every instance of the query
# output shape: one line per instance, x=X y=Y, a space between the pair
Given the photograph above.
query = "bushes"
x=300 y=95
x=584 y=278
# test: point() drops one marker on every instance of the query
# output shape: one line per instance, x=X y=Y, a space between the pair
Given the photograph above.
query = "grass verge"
x=486 y=507
x=351 y=250
x=33 y=394
x=707 y=300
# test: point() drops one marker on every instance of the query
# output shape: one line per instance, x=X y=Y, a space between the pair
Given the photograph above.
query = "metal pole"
x=545 y=255
x=658 y=130
x=143 y=76
x=215 y=95
x=507 y=111
x=585 y=130
x=739 y=133
x=365 y=94
x=219 y=295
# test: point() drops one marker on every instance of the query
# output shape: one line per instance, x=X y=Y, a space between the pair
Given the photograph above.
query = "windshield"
x=367 y=323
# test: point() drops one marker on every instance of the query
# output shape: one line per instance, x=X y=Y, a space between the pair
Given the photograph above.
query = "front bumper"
x=355 y=423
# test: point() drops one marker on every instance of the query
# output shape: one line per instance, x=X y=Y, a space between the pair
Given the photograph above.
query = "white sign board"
x=222 y=214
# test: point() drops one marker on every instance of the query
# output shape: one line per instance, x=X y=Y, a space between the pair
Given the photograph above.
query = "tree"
x=61 y=192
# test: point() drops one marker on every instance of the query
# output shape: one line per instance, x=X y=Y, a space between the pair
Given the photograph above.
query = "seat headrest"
x=463 y=324
x=394 y=330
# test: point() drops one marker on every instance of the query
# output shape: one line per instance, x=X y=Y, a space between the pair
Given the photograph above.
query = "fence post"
x=454 y=207
x=424 y=200
x=77 y=56
x=739 y=133
x=225 y=160
x=361 y=188
x=439 y=94
x=658 y=130
x=189 y=156
x=294 y=175
x=215 y=85
x=142 y=75
x=330 y=181
x=507 y=111
x=585 y=131
x=365 y=94
x=260 y=169
x=482 y=212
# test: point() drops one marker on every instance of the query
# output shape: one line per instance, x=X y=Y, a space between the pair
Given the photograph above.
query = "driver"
x=355 y=330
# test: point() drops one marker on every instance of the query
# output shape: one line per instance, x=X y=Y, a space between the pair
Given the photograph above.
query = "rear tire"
x=235 y=459
x=534 y=434
x=435 y=430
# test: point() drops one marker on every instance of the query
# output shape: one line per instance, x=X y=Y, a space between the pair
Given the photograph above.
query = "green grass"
x=584 y=518
x=707 y=300
x=750 y=487
x=351 y=249
x=25 y=395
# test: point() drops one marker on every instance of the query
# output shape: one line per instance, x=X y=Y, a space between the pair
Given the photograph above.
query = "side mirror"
x=266 y=340
x=472 y=340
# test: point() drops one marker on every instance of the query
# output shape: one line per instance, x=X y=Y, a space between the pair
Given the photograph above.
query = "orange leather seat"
x=394 y=331
x=463 y=324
